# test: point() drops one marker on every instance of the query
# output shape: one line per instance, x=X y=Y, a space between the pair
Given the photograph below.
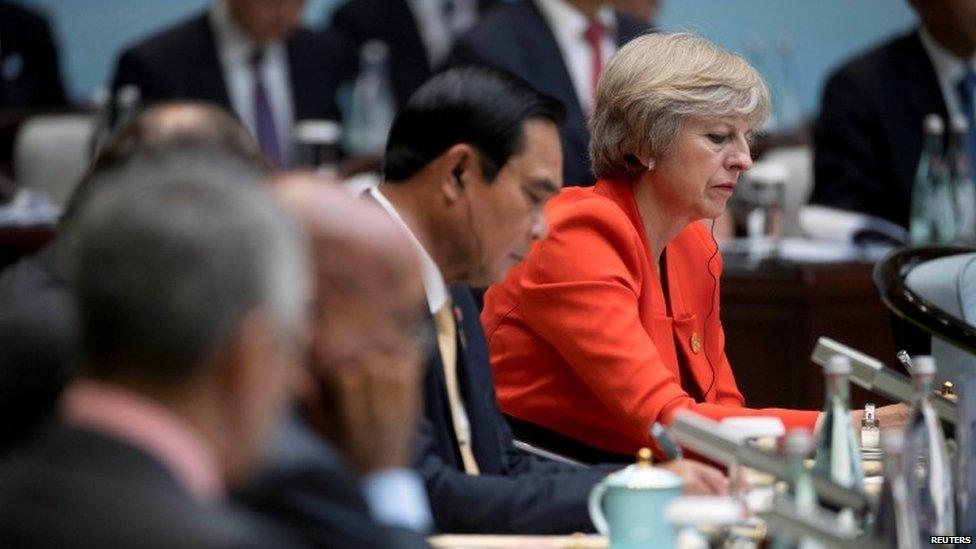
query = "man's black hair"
x=480 y=106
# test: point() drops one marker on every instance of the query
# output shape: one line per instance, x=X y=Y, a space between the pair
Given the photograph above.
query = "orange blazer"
x=583 y=342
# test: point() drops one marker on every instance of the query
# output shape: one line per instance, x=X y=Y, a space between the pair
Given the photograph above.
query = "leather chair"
x=934 y=288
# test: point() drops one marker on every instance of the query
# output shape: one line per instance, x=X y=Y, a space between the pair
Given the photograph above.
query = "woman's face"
x=696 y=177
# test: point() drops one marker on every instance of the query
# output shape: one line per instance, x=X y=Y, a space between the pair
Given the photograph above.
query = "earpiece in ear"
x=457 y=177
x=650 y=164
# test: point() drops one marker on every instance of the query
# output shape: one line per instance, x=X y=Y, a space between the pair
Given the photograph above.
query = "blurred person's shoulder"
x=173 y=38
x=878 y=62
x=76 y=487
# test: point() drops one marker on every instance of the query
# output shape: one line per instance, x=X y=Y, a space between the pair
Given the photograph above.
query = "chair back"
x=51 y=153
x=934 y=288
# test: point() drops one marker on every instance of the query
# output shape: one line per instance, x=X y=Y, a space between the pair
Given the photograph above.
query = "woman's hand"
x=699 y=479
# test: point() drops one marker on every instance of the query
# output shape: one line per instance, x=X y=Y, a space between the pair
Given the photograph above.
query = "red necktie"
x=594 y=36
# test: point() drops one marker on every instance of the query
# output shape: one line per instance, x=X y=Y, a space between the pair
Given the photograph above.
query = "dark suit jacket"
x=515 y=492
x=516 y=37
x=78 y=488
x=27 y=36
x=38 y=340
x=181 y=62
x=305 y=486
x=393 y=22
x=868 y=137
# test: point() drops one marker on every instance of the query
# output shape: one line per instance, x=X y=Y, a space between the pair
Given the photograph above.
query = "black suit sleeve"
x=848 y=157
x=306 y=488
x=536 y=498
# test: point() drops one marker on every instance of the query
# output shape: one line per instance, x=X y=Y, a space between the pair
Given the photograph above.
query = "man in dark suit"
x=249 y=56
x=189 y=331
x=419 y=34
x=471 y=160
x=558 y=46
x=868 y=137
x=30 y=71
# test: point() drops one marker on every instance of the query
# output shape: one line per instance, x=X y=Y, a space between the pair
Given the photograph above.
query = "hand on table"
x=699 y=479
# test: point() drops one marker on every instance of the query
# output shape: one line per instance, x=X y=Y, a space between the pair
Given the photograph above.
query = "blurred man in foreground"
x=339 y=470
x=38 y=325
x=190 y=285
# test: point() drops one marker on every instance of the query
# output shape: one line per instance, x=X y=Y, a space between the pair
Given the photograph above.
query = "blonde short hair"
x=654 y=83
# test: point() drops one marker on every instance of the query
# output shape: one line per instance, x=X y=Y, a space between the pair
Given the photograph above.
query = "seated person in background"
x=189 y=284
x=354 y=487
x=38 y=328
x=868 y=137
x=612 y=322
x=31 y=70
x=471 y=159
x=419 y=33
x=559 y=47
x=252 y=57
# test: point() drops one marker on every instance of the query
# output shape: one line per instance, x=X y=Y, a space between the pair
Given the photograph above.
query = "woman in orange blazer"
x=612 y=322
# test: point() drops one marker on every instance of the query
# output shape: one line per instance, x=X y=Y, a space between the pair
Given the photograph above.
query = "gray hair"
x=174 y=251
x=653 y=84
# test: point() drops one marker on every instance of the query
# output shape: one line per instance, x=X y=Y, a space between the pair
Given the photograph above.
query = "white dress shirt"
x=434 y=285
x=437 y=31
x=234 y=49
x=949 y=70
x=569 y=26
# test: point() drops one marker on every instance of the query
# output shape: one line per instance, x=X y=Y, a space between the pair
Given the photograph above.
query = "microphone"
x=458 y=171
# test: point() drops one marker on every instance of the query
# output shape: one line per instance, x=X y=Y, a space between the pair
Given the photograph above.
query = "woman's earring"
x=650 y=164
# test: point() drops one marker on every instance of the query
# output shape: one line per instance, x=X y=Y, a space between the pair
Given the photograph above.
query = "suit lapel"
x=475 y=381
x=543 y=59
x=921 y=94
x=209 y=72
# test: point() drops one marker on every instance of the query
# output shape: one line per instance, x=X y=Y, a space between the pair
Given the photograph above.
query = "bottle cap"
x=869 y=410
x=129 y=95
x=838 y=365
x=799 y=442
x=377 y=50
x=960 y=124
x=933 y=124
x=318 y=131
x=923 y=365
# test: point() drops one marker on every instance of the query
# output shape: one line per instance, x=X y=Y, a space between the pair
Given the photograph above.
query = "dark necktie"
x=264 y=122
x=966 y=87
x=594 y=37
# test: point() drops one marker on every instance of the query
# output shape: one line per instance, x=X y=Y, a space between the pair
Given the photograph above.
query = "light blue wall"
x=823 y=32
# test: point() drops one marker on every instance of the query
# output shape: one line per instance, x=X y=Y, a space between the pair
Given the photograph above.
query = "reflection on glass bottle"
x=372 y=107
x=932 y=214
x=896 y=524
x=838 y=456
x=797 y=447
x=926 y=461
x=961 y=178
